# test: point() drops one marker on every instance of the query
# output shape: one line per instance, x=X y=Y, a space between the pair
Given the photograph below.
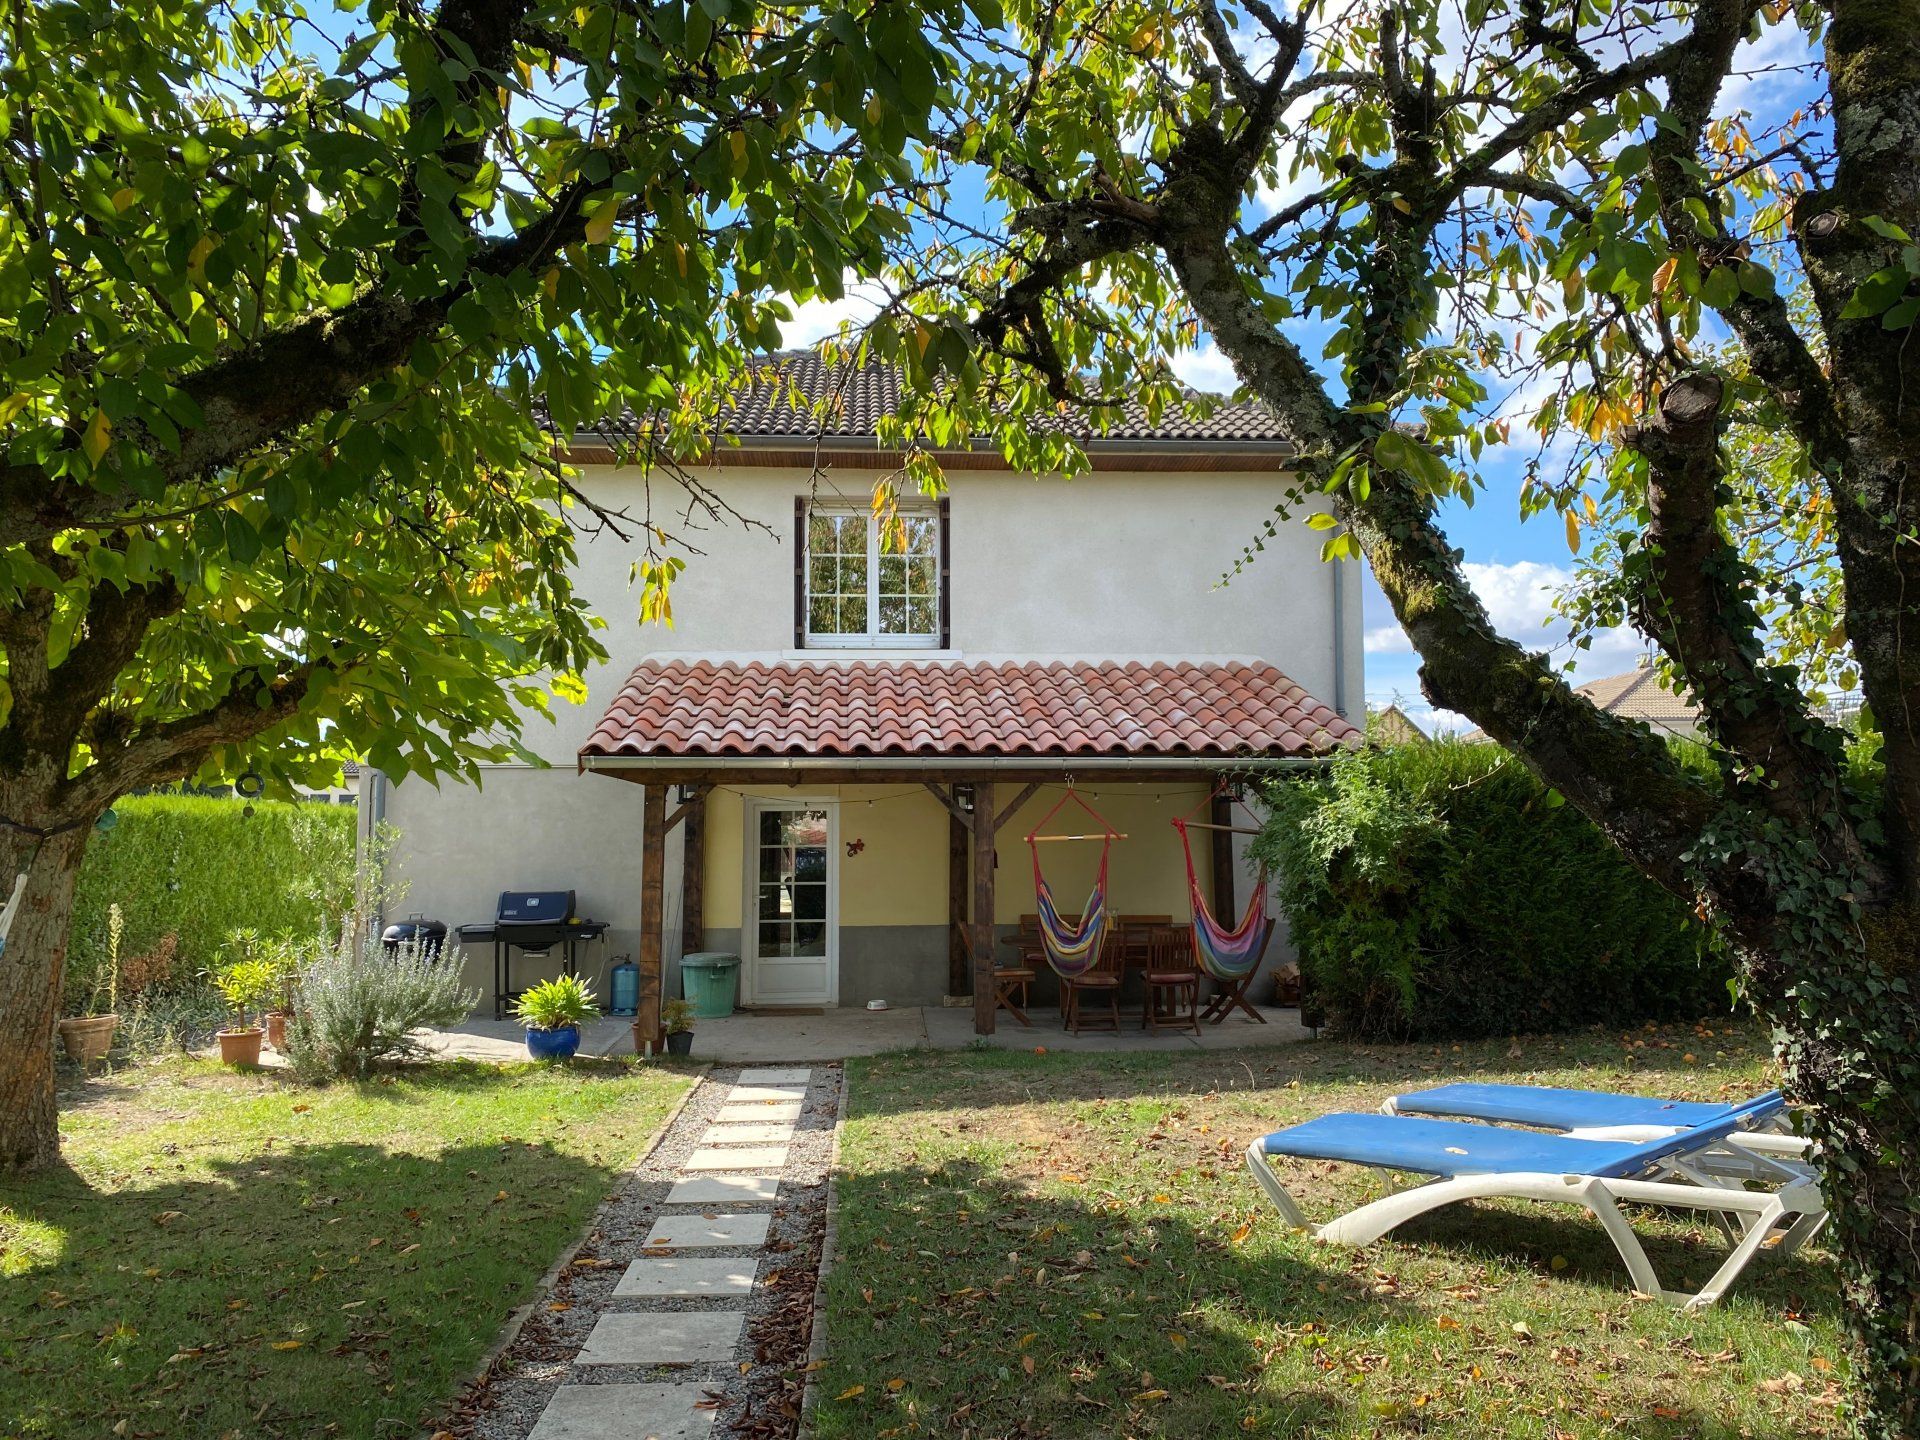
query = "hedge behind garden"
x=201 y=868
x=1439 y=891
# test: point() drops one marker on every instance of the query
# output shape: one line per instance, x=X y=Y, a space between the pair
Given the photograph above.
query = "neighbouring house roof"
x=781 y=405
x=1392 y=727
x=1639 y=695
x=699 y=709
x=1636 y=694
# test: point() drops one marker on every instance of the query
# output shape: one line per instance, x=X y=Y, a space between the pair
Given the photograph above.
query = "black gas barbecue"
x=534 y=922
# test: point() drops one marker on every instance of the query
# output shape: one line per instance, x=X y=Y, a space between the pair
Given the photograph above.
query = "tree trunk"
x=1849 y=1027
x=32 y=969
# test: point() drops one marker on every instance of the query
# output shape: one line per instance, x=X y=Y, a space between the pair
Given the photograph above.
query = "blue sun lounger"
x=1765 y=1125
x=1551 y=1109
x=1472 y=1162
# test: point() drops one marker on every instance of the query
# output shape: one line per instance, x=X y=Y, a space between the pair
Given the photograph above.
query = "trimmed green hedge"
x=202 y=868
x=1438 y=891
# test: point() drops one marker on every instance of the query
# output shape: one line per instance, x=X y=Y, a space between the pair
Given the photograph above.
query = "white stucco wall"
x=1111 y=565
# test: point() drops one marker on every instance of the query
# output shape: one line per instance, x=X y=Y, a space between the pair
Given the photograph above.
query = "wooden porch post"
x=959 y=950
x=983 y=837
x=693 y=877
x=653 y=886
x=1220 y=812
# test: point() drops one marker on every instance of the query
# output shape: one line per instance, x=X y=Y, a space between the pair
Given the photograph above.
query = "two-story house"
x=829 y=763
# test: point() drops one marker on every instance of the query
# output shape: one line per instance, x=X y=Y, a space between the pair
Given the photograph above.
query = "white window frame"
x=874 y=638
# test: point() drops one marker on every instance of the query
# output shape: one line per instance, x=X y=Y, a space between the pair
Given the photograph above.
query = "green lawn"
x=1050 y=1245
x=231 y=1254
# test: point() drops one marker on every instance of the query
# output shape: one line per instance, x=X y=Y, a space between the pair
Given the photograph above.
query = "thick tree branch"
x=1695 y=599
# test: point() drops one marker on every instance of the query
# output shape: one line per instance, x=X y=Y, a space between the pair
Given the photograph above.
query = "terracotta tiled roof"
x=858 y=397
x=838 y=709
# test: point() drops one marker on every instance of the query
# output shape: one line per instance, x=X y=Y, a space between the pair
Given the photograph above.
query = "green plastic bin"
x=707 y=978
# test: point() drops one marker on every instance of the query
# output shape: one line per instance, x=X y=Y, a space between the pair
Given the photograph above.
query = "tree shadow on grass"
x=966 y=1301
x=333 y=1287
x=963 y=1296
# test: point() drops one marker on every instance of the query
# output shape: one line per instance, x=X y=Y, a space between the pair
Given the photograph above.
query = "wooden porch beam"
x=983 y=836
x=693 y=877
x=1013 y=805
x=653 y=885
x=1220 y=814
x=959 y=942
x=951 y=801
x=700 y=793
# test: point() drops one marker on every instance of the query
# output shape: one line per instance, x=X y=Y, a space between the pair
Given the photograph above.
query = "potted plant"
x=282 y=956
x=246 y=986
x=676 y=1017
x=553 y=1012
x=89 y=1035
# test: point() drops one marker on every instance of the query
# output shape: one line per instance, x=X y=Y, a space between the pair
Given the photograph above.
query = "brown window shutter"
x=799 y=572
x=946 y=572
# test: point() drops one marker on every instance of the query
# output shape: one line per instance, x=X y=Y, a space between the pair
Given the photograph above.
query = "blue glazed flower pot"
x=553 y=1044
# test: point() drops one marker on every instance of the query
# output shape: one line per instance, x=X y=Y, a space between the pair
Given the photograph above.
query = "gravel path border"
x=829 y=1245
x=758 y=1391
x=478 y=1376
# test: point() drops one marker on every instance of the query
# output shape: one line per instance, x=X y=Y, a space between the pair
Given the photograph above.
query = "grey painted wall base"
x=907 y=965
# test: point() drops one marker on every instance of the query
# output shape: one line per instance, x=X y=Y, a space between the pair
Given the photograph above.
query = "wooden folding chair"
x=1101 y=979
x=1232 y=994
x=1173 y=981
x=1013 y=984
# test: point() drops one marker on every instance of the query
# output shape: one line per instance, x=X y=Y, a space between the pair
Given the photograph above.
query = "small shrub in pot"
x=247 y=986
x=676 y=1018
x=89 y=1035
x=553 y=1012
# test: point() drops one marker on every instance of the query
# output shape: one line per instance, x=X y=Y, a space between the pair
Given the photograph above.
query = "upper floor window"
x=861 y=586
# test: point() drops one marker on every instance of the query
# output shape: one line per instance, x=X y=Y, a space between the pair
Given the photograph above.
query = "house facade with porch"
x=828 y=765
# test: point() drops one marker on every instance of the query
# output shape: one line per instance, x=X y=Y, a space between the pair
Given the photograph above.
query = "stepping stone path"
x=671 y=1334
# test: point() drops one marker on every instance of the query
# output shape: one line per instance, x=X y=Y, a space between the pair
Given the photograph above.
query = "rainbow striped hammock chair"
x=1228 y=956
x=1071 y=950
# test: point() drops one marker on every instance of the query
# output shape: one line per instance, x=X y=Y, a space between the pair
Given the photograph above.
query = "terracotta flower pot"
x=89 y=1037
x=640 y=1041
x=277 y=1030
x=240 y=1047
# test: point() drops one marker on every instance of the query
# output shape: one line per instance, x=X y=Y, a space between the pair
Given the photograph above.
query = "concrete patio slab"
x=838 y=1034
x=755 y=1112
x=747 y=1094
x=776 y=1075
x=664 y=1337
x=625 y=1412
x=697 y=1232
x=739 y=1157
x=724 y=1190
x=672 y=1277
x=747 y=1134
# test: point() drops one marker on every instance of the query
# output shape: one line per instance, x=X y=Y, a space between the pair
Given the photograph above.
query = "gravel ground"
x=757 y=1392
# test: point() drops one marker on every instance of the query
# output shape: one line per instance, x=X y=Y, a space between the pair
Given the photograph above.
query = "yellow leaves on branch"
x=97 y=436
x=600 y=224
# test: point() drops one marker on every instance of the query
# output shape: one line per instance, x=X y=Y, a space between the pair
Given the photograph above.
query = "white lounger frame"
x=1712 y=1179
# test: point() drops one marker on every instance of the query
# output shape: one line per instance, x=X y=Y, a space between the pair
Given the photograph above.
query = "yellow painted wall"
x=900 y=876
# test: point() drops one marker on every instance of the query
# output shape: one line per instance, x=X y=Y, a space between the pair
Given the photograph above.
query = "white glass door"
x=792 y=908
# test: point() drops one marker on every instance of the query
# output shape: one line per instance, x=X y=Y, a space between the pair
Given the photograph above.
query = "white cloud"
x=1206 y=369
x=815 y=320
x=1388 y=640
x=1519 y=599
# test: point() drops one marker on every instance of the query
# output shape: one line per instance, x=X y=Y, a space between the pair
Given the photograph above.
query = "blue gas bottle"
x=626 y=988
